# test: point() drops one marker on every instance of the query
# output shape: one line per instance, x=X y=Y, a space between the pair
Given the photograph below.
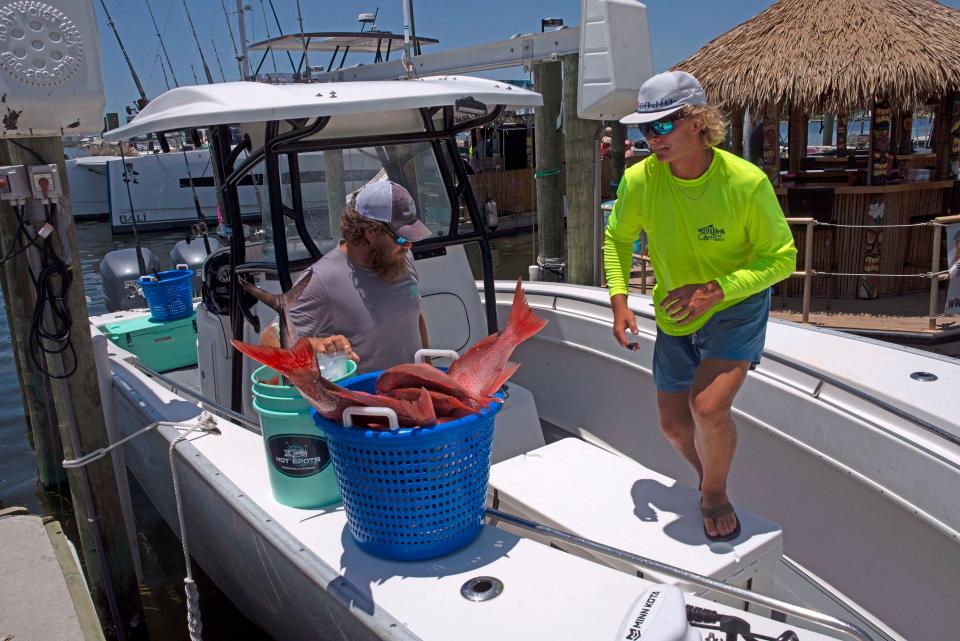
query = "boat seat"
x=582 y=489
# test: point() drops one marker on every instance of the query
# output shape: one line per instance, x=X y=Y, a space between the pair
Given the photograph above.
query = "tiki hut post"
x=841 y=134
x=797 y=146
x=736 y=131
x=905 y=132
x=771 y=142
x=946 y=125
x=880 y=143
x=826 y=136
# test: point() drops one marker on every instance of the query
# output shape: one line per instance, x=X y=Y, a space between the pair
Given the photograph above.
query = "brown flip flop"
x=716 y=513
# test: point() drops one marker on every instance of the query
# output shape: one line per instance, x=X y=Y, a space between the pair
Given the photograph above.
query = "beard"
x=389 y=266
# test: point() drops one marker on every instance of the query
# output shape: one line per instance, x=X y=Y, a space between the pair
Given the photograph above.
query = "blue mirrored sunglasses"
x=660 y=127
x=397 y=238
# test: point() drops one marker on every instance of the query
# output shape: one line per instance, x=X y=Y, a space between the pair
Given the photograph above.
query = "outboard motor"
x=193 y=253
x=119 y=272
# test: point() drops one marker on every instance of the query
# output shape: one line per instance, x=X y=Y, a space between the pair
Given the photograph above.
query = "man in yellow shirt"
x=718 y=241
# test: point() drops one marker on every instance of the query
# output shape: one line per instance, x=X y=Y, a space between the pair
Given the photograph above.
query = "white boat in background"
x=87 y=177
x=162 y=197
x=160 y=189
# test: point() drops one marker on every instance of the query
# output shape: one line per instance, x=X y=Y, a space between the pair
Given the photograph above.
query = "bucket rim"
x=165 y=277
x=352 y=366
x=403 y=434
x=307 y=411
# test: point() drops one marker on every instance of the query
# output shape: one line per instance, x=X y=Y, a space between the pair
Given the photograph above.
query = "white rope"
x=194 y=621
x=206 y=423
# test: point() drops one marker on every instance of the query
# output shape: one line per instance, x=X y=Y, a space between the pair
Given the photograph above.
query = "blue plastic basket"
x=412 y=494
x=170 y=297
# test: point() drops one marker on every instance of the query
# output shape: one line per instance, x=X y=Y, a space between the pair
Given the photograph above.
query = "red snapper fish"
x=486 y=366
x=430 y=378
x=299 y=365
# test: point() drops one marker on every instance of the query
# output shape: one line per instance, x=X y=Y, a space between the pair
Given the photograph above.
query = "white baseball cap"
x=389 y=203
x=664 y=94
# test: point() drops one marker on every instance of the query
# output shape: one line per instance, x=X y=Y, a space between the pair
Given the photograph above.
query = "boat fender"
x=659 y=614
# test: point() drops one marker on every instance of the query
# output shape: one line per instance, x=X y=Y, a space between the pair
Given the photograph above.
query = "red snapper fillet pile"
x=420 y=394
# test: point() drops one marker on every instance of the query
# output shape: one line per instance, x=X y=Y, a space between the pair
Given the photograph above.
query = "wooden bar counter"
x=902 y=250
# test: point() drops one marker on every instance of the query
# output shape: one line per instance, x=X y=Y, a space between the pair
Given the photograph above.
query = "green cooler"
x=161 y=345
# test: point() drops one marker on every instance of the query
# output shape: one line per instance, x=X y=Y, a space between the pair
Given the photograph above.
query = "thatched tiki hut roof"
x=834 y=55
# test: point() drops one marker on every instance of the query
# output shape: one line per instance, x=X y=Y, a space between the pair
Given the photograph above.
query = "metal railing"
x=807 y=273
x=935 y=275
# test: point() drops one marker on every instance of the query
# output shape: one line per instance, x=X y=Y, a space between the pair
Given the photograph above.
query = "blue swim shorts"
x=734 y=334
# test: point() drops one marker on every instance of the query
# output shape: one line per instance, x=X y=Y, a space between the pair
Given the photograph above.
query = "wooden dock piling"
x=580 y=149
x=547 y=81
x=76 y=400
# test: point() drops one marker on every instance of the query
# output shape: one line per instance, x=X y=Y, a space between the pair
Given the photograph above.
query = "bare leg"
x=714 y=387
x=676 y=423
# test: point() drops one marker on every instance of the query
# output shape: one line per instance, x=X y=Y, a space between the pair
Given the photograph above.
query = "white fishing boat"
x=849 y=448
x=87 y=176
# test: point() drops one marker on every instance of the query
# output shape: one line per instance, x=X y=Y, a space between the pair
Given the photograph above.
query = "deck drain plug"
x=923 y=376
x=482 y=588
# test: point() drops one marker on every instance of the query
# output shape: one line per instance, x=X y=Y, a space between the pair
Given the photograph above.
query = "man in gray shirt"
x=363 y=297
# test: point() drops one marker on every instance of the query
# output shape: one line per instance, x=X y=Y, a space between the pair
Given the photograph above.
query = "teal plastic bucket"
x=297 y=454
x=283 y=398
x=298 y=461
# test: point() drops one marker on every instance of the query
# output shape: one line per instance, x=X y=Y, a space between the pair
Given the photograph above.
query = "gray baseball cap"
x=664 y=94
x=387 y=202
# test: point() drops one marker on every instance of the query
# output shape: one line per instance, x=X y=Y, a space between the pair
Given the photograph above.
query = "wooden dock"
x=43 y=595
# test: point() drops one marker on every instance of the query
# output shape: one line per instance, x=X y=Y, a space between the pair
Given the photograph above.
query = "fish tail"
x=295 y=362
x=508 y=370
x=269 y=299
x=279 y=303
x=523 y=323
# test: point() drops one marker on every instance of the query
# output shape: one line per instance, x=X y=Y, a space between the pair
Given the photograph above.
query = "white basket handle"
x=182 y=266
x=385 y=412
x=423 y=354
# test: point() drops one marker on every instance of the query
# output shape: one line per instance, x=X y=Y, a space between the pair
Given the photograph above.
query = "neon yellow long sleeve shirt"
x=726 y=225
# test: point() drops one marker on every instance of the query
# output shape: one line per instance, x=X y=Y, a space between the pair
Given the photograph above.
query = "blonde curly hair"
x=713 y=125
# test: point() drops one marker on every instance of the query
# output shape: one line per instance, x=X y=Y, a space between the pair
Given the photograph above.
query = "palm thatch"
x=834 y=55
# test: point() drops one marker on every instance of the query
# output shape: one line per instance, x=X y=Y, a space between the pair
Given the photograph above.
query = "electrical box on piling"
x=615 y=58
x=50 y=79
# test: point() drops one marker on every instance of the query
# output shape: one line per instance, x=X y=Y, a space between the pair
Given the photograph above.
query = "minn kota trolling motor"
x=661 y=614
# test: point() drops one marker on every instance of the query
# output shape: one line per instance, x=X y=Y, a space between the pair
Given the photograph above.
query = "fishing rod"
x=196 y=80
x=233 y=42
x=133 y=72
x=141 y=263
x=163 y=47
x=273 y=9
x=206 y=68
x=266 y=26
x=217 y=56
x=201 y=225
x=166 y=81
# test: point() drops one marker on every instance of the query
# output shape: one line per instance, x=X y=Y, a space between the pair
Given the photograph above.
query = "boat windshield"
x=326 y=180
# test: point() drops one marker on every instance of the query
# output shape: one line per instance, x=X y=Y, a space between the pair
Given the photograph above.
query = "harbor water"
x=162 y=592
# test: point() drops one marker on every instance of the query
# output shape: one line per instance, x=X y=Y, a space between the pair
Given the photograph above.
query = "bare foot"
x=725 y=521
